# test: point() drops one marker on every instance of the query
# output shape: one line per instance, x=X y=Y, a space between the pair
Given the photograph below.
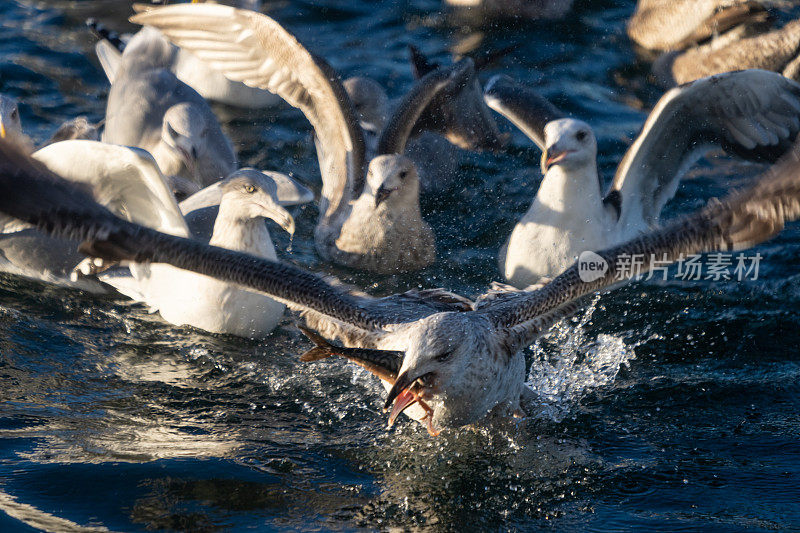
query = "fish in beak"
x=385 y=364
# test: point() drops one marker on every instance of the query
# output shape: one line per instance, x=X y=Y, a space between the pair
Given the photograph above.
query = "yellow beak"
x=543 y=162
x=2 y=130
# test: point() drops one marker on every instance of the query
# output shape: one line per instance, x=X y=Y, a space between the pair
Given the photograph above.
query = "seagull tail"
x=322 y=350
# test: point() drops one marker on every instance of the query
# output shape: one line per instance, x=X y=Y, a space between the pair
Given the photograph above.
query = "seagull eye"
x=581 y=135
x=249 y=189
x=14 y=114
x=444 y=356
x=404 y=174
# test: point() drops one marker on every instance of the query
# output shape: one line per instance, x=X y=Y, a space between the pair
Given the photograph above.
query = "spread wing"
x=254 y=49
x=33 y=194
x=752 y=113
x=741 y=220
x=395 y=135
x=524 y=107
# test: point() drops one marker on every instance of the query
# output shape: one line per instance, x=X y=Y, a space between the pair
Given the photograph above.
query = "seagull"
x=239 y=204
x=776 y=51
x=445 y=363
x=368 y=222
x=148 y=107
x=752 y=113
x=209 y=83
x=679 y=24
x=11 y=127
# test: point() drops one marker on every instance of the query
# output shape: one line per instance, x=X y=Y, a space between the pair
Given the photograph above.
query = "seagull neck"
x=572 y=190
x=235 y=231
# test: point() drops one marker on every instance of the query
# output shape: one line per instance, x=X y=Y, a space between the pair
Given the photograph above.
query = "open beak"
x=382 y=194
x=551 y=158
x=401 y=385
x=279 y=215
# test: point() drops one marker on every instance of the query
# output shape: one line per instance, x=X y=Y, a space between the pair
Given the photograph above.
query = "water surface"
x=667 y=406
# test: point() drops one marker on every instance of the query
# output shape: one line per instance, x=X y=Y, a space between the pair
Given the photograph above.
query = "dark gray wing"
x=524 y=107
x=444 y=81
x=33 y=194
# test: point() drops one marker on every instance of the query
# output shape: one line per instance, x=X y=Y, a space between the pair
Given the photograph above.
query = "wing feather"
x=752 y=113
x=254 y=49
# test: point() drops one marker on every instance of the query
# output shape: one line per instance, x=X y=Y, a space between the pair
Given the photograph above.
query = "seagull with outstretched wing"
x=445 y=362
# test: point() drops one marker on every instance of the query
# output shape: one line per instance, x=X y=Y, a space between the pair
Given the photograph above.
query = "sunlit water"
x=663 y=406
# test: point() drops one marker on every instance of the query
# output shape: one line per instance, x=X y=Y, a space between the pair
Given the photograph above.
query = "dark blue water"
x=669 y=406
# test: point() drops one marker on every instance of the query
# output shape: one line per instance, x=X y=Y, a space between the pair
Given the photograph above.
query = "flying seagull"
x=369 y=214
x=751 y=113
x=446 y=362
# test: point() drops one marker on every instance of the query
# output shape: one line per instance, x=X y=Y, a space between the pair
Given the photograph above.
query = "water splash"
x=568 y=363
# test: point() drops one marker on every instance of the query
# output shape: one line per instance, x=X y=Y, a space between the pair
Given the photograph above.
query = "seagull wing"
x=32 y=193
x=445 y=80
x=752 y=113
x=524 y=107
x=741 y=220
x=125 y=180
x=254 y=49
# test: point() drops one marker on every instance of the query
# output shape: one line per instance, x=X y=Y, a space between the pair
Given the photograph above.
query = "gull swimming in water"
x=208 y=82
x=445 y=362
x=776 y=51
x=751 y=113
x=678 y=24
x=148 y=107
x=240 y=204
x=368 y=220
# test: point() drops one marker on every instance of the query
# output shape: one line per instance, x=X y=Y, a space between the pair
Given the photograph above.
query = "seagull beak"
x=404 y=400
x=279 y=215
x=551 y=158
x=2 y=130
x=382 y=194
x=401 y=384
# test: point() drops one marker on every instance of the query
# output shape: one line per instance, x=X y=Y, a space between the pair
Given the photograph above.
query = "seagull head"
x=185 y=130
x=369 y=102
x=10 y=123
x=569 y=143
x=392 y=180
x=442 y=367
x=252 y=195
